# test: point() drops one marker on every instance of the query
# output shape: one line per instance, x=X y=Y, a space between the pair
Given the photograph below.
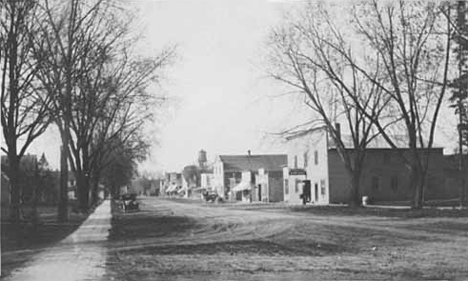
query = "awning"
x=171 y=188
x=242 y=186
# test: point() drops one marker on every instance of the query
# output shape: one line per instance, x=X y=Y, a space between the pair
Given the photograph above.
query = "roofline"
x=247 y=155
x=390 y=148
x=305 y=132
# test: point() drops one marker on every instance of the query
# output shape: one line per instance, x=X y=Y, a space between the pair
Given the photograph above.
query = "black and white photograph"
x=214 y=140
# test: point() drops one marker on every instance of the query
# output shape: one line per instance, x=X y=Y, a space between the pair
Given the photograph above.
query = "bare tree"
x=98 y=84
x=459 y=85
x=24 y=114
x=401 y=51
x=67 y=28
x=112 y=104
x=412 y=41
x=302 y=56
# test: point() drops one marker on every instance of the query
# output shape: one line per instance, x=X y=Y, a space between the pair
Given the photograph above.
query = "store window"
x=322 y=187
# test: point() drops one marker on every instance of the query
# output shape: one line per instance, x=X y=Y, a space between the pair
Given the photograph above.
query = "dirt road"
x=180 y=241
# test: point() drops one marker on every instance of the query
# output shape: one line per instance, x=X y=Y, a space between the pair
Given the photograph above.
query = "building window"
x=375 y=183
x=316 y=160
x=295 y=161
x=394 y=183
x=286 y=186
x=296 y=186
x=322 y=187
x=306 y=159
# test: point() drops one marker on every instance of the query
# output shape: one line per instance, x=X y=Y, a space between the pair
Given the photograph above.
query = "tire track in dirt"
x=216 y=225
x=213 y=225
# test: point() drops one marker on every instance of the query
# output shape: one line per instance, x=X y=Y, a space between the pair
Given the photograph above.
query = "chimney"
x=338 y=130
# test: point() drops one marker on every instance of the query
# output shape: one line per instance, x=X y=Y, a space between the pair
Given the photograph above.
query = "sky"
x=223 y=102
x=220 y=98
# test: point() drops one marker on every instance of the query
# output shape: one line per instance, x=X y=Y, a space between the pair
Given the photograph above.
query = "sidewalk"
x=80 y=256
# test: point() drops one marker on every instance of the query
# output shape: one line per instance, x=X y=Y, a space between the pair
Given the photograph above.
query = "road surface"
x=170 y=240
x=181 y=241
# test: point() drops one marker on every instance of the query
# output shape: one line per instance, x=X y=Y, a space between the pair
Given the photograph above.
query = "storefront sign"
x=297 y=172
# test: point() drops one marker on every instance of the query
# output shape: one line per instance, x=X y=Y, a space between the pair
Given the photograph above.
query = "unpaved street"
x=197 y=241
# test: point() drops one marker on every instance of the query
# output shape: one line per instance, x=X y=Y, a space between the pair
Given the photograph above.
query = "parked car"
x=211 y=196
x=129 y=202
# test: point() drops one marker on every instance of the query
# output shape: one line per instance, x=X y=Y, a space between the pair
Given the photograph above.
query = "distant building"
x=314 y=164
x=172 y=183
x=27 y=175
x=202 y=160
x=206 y=180
x=37 y=174
x=455 y=179
x=228 y=172
x=269 y=185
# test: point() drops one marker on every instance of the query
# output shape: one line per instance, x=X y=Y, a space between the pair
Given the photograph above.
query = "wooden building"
x=314 y=164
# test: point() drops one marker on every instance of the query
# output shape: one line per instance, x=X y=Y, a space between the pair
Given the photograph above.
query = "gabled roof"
x=270 y=162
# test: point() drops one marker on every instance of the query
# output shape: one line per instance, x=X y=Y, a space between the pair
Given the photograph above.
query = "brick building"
x=314 y=162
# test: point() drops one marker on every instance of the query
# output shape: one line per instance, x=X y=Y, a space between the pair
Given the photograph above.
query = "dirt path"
x=80 y=256
x=179 y=241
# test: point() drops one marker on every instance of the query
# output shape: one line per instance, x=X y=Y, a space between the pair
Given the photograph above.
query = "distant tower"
x=202 y=159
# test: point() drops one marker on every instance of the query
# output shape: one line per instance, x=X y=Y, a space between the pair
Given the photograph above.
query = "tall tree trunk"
x=15 y=195
x=355 y=200
x=63 y=194
x=418 y=181
x=82 y=185
x=15 y=187
x=11 y=137
x=95 y=188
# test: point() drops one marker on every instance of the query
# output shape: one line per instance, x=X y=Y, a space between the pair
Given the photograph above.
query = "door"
x=306 y=190
x=260 y=192
x=316 y=192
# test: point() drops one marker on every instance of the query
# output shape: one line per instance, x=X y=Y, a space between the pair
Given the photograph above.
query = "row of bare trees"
x=377 y=67
x=74 y=64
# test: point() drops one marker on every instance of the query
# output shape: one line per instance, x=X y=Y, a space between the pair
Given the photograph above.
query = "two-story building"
x=228 y=169
x=172 y=183
x=315 y=166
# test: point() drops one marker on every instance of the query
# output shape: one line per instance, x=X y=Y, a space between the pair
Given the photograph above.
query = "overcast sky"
x=225 y=104
x=221 y=100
